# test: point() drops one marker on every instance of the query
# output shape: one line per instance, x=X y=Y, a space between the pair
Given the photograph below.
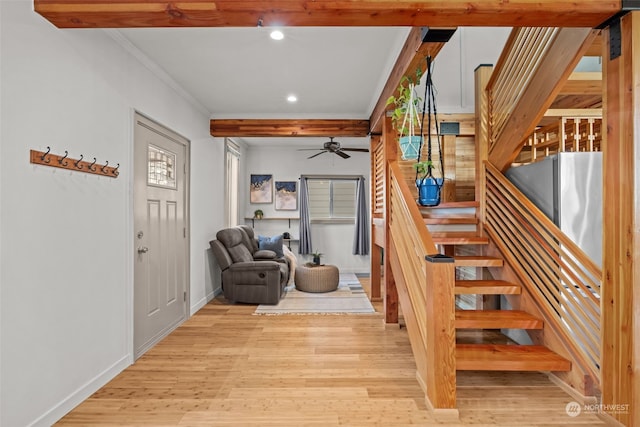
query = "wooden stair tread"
x=486 y=287
x=498 y=357
x=449 y=205
x=477 y=261
x=458 y=238
x=449 y=219
x=496 y=319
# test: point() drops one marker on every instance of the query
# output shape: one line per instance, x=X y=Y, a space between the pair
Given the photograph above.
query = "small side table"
x=319 y=278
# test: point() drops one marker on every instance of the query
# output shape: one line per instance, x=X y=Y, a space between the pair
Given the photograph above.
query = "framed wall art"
x=261 y=189
x=286 y=195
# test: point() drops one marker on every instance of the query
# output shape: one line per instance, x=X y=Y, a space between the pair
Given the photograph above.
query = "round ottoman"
x=319 y=278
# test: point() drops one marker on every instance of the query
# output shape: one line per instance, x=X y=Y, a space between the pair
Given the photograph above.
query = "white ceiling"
x=336 y=73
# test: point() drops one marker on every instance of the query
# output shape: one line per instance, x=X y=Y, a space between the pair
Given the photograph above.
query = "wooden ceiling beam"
x=412 y=56
x=288 y=128
x=367 y=13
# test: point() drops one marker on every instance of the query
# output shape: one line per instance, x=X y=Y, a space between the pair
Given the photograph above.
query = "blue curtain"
x=361 y=236
x=305 y=246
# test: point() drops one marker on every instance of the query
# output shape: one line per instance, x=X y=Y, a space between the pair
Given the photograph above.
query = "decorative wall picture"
x=261 y=189
x=286 y=195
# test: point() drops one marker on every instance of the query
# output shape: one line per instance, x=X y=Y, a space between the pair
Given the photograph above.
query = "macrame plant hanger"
x=412 y=148
x=429 y=108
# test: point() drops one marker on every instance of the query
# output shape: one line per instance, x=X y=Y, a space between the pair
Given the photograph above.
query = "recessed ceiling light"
x=292 y=98
x=277 y=35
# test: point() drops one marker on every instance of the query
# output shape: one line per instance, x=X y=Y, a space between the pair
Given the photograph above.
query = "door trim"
x=130 y=252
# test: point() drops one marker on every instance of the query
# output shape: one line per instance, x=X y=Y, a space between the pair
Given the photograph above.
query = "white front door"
x=160 y=234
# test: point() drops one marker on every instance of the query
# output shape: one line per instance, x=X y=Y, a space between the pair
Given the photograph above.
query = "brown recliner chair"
x=259 y=280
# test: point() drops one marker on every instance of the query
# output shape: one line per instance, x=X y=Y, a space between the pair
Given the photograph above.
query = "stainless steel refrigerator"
x=567 y=187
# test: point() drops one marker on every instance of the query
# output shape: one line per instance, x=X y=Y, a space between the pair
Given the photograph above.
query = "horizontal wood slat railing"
x=532 y=71
x=426 y=294
x=525 y=49
x=563 y=280
x=567 y=134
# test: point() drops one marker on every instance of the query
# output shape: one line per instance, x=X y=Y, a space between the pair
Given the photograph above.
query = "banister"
x=563 y=281
x=544 y=221
x=524 y=84
x=425 y=287
x=412 y=209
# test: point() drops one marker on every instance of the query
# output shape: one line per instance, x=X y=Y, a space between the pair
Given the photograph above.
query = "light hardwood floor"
x=228 y=367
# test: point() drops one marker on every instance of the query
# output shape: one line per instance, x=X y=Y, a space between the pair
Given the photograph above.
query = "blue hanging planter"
x=429 y=191
x=409 y=147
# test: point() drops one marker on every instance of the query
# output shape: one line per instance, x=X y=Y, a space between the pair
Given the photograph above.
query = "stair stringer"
x=577 y=378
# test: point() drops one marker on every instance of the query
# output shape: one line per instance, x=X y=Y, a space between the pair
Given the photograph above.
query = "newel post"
x=440 y=334
x=620 y=302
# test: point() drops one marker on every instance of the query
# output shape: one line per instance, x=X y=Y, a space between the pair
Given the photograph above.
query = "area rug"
x=349 y=298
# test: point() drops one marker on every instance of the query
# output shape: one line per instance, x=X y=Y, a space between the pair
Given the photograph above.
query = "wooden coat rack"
x=78 y=165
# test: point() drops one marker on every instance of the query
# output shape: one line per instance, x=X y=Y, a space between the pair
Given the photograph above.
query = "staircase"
x=454 y=229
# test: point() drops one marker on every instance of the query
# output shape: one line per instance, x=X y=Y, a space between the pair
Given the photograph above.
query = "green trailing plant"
x=423 y=168
x=258 y=213
x=405 y=115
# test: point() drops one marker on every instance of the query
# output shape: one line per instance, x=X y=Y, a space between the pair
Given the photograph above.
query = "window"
x=332 y=199
x=161 y=168
x=232 y=168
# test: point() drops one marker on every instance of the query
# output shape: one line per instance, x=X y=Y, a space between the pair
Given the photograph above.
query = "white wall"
x=454 y=66
x=66 y=239
x=335 y=241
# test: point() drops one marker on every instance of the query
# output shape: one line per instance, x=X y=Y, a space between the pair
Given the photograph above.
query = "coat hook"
x=92 y=168
x=78 y=162
x=103 y=168
x=61 y=161
x=115 y=171
x=44 y=156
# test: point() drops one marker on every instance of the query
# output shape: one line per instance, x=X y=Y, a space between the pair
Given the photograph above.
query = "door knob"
x=143 y=250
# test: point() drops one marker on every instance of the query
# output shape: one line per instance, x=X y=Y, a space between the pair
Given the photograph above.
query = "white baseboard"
x=198 y=305
x=61 y=409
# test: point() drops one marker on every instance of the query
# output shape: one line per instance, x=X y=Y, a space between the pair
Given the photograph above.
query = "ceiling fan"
x=332 y=146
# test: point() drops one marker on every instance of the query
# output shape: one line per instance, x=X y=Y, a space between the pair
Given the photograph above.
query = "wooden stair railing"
x=563 y=281
x=426 y=293
x=534 y=66
x=573 y=134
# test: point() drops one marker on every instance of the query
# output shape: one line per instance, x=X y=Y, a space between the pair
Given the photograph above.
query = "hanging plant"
x=405 y=117
x=429 y=187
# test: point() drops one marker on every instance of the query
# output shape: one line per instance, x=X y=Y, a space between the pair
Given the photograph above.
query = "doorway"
x=161 y=189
